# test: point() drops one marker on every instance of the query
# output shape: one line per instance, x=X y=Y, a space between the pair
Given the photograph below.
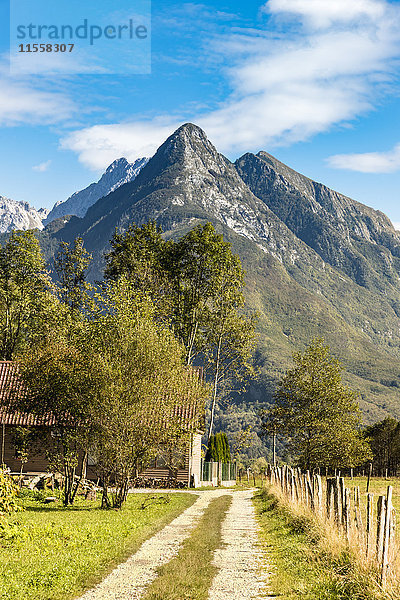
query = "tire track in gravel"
x=243 y=572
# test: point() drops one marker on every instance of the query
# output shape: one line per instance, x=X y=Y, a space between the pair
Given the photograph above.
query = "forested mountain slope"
x=317 y=263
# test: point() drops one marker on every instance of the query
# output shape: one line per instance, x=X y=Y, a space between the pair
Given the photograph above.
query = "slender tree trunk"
x=105 y=501
x=215 y=388
x=76 y=484
x=189 y=357
x=274 y=448
x=3 y=443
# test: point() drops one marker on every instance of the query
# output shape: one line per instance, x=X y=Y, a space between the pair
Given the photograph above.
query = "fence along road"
x=333 y=501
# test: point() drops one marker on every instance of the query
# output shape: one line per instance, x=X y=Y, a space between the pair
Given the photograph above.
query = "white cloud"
x=98 y=146
x=42 y=167
x=368 y=162
x=323 y=13
x=396 y=225
x=24 y=102
x=287 y=84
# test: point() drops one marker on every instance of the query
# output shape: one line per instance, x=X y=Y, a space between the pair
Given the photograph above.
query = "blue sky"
x=313 y=82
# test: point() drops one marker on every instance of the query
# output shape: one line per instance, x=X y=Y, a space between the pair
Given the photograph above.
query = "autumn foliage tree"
x=26 y=299
x=317 y=413
x=148 y=384
x=113 y=384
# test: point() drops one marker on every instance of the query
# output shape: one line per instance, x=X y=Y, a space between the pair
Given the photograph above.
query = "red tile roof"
x=11 y=387
x=190 y=413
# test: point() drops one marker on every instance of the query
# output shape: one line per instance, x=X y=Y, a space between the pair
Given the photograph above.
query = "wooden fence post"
x=369 y=476
x=337 y=501
x=392 y=533
x=287 y=481
x=310 y=491
x=296 y=487
x=292 y=490
x=357 y=513
x=318 y=492
x=329 y=498
x=301 y=488
x=380 y=522
x=386 y=536
x=306 y=500
x=369 y=527
x=346 y=513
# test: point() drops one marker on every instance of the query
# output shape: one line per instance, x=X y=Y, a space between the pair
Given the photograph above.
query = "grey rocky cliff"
x=348 y=235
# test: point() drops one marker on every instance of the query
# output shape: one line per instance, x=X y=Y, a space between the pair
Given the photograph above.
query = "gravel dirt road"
x=240 y=561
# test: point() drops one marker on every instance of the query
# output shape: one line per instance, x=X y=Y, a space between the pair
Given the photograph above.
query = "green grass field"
x=378 y=486
x=53 y=553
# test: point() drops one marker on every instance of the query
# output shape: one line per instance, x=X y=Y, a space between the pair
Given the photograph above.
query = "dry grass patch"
x=312 y=561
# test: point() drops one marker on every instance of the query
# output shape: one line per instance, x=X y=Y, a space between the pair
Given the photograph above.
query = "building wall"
x=190 y=469
x=196 y=459
x=37 y=462
x=163 y=472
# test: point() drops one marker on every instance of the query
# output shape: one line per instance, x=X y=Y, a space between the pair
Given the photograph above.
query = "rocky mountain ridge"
x=15 y=214
x=118 y=173
x=335 y=226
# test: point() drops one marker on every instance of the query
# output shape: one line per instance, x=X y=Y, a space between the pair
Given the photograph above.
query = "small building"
x=187 y=466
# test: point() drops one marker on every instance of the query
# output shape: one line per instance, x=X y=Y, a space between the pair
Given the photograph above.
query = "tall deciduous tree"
x=116 y=386
x=71 y=265
x=25 y=298
x=319 y=415
x=149 y=386
x=228 y=352
x=207 y=278
x=63 y=382
x=202 y=283
x=139 y=253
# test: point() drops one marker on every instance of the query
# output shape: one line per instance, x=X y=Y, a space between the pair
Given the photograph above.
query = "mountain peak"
x=188 y=130
x=119 y=172
x=118 y=163
x=188 y=146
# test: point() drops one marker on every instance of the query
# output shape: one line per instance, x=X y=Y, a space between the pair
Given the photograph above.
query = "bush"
x=8 y=494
